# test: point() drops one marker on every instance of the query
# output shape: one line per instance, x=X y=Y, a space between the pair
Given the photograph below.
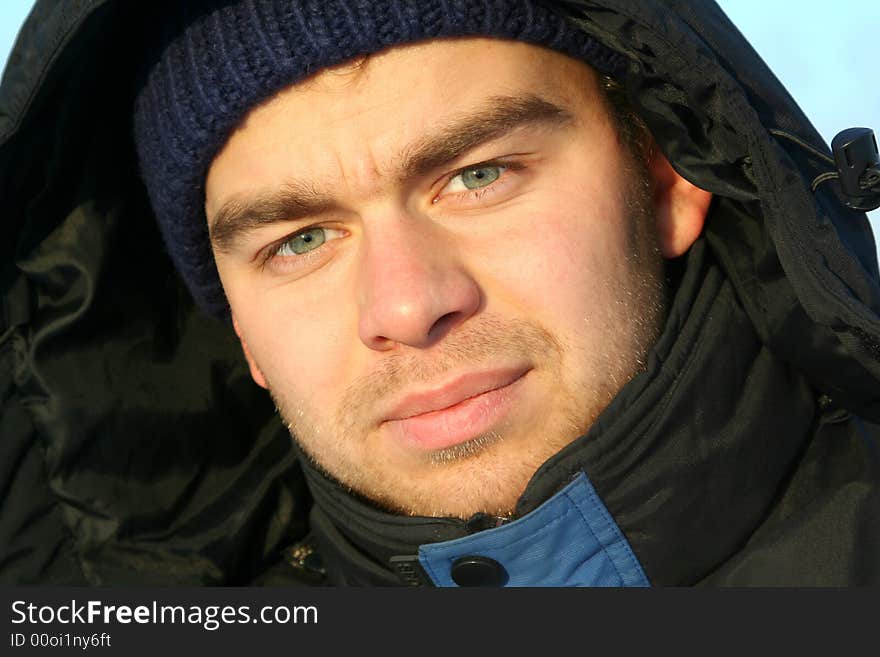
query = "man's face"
x=441 y=266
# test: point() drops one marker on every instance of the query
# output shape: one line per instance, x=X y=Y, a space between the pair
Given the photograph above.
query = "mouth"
x=456 y=412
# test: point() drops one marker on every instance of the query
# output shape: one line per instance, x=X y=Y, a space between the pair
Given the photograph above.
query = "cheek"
x=298 y=341
x=559 y=256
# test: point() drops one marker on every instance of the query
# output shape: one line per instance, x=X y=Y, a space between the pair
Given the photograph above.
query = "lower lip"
x=458 y=423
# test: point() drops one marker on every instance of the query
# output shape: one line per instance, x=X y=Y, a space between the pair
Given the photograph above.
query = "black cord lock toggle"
x=858 y=164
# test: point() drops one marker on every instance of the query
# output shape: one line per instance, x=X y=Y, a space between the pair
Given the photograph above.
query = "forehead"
x=370 y=110
x=443 y=69
x=402 y=64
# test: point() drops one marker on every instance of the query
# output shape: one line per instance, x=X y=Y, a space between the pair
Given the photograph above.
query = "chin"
x=488 y=482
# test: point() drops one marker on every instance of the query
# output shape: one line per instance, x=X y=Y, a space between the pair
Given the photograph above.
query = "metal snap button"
x=478 y=571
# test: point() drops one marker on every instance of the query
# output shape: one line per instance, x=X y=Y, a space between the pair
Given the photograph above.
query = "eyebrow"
x=296 y=200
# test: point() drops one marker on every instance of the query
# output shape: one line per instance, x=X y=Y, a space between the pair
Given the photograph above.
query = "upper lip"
x=455 y=391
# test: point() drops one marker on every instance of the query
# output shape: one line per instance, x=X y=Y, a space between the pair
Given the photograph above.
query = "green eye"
x=480 y=176
x=303 y=242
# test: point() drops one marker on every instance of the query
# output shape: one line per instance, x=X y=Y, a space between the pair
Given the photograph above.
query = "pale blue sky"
x=824 y=53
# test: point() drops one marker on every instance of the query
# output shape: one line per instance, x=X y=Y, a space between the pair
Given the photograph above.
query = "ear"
x=256 y=374
x=680 y=207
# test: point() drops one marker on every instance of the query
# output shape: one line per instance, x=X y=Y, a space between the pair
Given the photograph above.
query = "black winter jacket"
x=134 y=448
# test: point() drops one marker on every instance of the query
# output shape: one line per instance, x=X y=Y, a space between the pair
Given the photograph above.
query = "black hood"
x=136 y=449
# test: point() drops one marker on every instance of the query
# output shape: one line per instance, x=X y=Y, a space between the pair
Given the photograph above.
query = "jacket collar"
x=688 y=457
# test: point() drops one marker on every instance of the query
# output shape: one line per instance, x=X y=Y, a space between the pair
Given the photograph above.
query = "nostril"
x=381 y=342
x=443 y=325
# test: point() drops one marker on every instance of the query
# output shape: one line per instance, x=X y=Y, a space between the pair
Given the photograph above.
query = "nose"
x=412 y=288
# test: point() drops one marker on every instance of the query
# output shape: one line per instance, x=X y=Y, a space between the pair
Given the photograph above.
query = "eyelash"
x=476 y=194
x=270 y=253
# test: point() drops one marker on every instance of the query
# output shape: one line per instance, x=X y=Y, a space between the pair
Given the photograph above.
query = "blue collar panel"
x=570 y=540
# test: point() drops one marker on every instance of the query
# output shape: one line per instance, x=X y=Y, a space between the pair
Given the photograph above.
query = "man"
x=545 y=293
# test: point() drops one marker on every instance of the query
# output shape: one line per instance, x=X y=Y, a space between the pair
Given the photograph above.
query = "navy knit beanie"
x=217 y=59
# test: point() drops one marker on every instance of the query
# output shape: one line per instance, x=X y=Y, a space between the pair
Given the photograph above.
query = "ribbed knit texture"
x=218 y=59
